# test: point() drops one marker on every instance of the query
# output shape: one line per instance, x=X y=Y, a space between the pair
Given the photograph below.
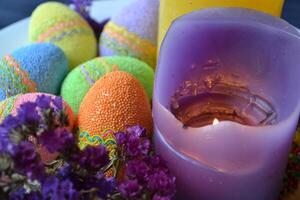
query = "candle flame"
x=216 y=121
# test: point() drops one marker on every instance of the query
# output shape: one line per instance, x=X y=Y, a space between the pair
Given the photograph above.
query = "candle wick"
x=216 y=121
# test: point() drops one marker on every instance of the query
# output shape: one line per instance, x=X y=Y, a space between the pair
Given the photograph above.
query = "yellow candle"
x=171 y=9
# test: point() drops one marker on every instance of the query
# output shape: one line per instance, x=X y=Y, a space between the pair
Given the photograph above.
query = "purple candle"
x=241 y=68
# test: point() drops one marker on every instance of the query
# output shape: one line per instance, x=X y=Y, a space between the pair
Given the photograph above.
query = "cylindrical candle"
x=241 y=66
x=171 y=9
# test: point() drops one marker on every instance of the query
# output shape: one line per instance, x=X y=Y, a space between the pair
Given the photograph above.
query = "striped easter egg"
x=56 y=23
x=133 y=32
x=36 y=67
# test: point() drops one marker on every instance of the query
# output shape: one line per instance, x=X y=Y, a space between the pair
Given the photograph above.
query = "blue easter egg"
x=34 y=68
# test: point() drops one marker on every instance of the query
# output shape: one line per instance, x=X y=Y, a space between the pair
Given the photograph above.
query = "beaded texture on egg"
x=36 y=67
x=115 y=102
x=133 y=32
x=56 y=23
x=83 y=77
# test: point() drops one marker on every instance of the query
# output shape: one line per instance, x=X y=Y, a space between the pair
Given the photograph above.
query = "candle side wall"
x=228 y=161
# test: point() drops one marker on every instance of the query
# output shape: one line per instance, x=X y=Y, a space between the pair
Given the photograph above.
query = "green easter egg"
x=83 y=77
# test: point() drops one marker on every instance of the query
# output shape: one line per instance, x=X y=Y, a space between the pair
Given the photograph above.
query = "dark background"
x=14 y=10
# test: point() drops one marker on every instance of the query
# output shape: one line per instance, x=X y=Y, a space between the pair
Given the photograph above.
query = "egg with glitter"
x=56 y=23
x=10 y=106
x=115 y=101
x=82 y=78
x=133 y=32
x=106 y=138
x=36 y=67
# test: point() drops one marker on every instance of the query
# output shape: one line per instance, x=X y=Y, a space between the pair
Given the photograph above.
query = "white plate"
x=16 y=35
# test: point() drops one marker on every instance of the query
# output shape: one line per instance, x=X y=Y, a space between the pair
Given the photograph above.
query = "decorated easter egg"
x=114 y=102
x=106 y=138
x=133 y=32
x=36 y=67
x=83 y=77
x=11 y=105
x=56 y=23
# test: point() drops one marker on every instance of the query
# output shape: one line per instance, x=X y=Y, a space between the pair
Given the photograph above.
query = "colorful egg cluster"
x=115 y=102
x=83 y=77
x=37 y=67
x=133 y=32
x=56 y=23
x=108 y=93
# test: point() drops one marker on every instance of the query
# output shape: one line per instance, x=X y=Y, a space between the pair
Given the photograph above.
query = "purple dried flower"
x=121 y=138
x=28 y=113
x=137 y=131
x=137 y=147
x=144 y=173
x=43 y=101
x=10 y=122
x=93 y=158
x=156 y=162
x=55 y=189
x=137 y=169
x=98 y=183
x=65 y=171
x=82 y=3
x=158 y=197
x=134 y=142
x=58 y=103
x=106 y=187
x=27 y=161
x=32 y=196
x=130 y=189
x=57 y=140
x=21 y=194
x=6 y=146
x=18 y=194
x=82 y=181
x=161 y=182
x=82 y=7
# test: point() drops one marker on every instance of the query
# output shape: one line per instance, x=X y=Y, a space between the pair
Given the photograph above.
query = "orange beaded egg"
x=116 y=101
